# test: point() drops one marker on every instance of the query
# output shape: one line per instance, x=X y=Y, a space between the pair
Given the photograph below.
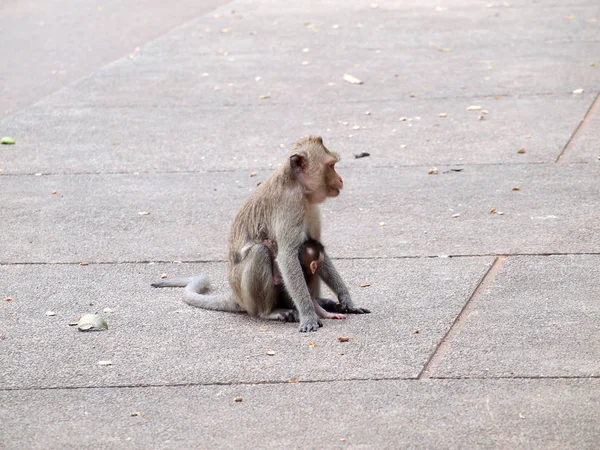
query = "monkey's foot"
x=285 y=315
x=324 y=314
x=333 y=306
x=310 y=325
x=345 y=306
x=327 y=304
x=333 y=316
x=352 y=309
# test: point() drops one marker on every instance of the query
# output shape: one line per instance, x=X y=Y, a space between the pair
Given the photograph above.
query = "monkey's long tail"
x=193 y=296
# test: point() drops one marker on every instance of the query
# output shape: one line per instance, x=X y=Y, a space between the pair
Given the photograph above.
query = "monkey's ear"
x=298 y=162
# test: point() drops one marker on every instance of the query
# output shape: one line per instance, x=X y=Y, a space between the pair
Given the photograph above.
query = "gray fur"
x=193 y=296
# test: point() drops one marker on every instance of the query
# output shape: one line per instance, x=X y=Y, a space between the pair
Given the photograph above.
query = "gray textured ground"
x=485 y=330
x=47 y=45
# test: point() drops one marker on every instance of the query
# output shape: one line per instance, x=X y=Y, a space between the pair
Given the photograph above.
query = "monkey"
x=311 y=256
x=284 y=209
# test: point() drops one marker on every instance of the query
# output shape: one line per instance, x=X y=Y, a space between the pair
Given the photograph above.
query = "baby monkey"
x=312 y=257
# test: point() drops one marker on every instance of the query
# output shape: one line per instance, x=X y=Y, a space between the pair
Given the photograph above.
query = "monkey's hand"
x=310 y=325
x=345 y=305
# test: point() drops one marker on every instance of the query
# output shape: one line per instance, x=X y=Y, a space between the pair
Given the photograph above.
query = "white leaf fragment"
x=474 y=108
x=91 y=322
x=578 y=91
x=105 y=363
x=351 y=79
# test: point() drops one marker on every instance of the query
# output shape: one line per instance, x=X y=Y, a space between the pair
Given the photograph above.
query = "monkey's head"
x=312 y=256
x=313 y=167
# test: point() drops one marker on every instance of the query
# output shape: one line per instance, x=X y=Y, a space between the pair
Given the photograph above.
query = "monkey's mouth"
x=333 y=192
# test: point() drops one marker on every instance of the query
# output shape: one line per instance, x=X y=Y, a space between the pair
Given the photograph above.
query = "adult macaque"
x=283 y=211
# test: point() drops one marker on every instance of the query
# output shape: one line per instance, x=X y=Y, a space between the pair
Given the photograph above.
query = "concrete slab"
x=155 y=339
x=155 y=79
x=458 y=414
x=506 y=51
x=157 y=113
x=105 y=31
x=96 y=217
x=104 y=139
x=539 y=318
x=427 y=25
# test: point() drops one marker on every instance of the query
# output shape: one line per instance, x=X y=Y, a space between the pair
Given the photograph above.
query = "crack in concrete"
x=269 y=169
x=297 y=381
x=505 y=94
x=348 y=258
x=576 y=136
x=442 y=348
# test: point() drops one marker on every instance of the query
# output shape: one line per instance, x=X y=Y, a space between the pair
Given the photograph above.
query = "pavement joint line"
x=346 y=258
x=199 y=384
x=285 y=382
x=518 y=377
x=200 y=172
x=566 y=41
x=580 y=130
x=254 y=105
x=446 y=341
x=343 y=102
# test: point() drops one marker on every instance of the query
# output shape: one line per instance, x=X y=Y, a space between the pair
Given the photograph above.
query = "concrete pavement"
x=47 y=45
x=485 y=324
